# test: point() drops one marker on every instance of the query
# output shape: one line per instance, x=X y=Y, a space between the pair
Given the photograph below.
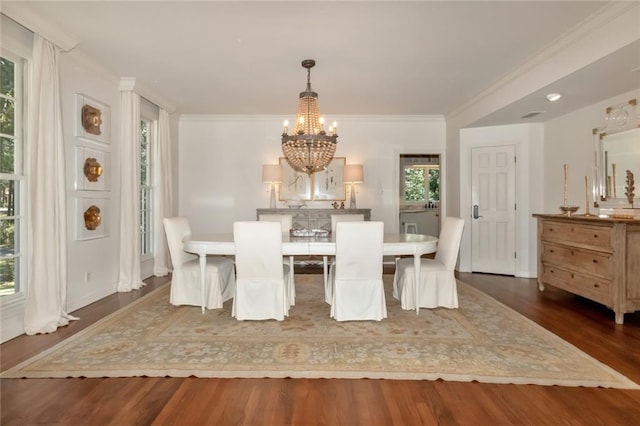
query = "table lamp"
x=272 y=174
x=353 y=173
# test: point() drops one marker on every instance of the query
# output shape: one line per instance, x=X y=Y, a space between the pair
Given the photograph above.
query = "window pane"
x=7 y=78
x=8 y=192
x=434 y=184
x=6 y=155
x=7 y=238
x=7 y=108
x=7 y=276
x=414 y=184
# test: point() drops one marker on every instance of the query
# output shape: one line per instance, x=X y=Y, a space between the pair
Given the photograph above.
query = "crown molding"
x=21 y=13
x=272 y=117
x=131 y=84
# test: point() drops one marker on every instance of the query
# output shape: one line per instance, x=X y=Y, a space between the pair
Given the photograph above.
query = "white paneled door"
x=493 y=204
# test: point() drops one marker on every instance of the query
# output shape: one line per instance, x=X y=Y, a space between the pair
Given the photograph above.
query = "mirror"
x=621 y=152
x=617 y=150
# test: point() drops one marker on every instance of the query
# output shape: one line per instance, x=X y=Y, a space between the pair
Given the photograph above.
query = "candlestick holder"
x=569 y=210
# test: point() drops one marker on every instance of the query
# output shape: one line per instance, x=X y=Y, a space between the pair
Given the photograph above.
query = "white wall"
x=221 y=157
x=569 y=140
x=97 y=257
x=615 y=27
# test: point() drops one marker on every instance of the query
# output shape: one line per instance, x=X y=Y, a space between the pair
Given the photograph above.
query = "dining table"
x=396 y=245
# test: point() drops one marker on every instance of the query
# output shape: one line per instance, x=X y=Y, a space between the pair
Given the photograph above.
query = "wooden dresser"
x=596 y=258
x=309 y=218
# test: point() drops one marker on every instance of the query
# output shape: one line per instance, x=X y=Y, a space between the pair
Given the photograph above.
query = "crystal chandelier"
x=309 y=148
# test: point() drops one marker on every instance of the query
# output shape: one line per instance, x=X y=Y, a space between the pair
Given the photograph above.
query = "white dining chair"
x=220 y=277
x=335 y=218
x=437 y=286
x=286 y=220
x=356 y=276
x=262 y=282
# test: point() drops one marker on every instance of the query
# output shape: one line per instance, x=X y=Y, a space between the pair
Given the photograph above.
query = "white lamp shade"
x=271 y=173
x=353 y=173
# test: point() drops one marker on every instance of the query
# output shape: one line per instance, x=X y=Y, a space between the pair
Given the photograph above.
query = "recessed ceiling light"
x=552 y=97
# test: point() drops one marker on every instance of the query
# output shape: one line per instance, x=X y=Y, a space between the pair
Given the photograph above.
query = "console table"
x=596 y=258
x=310 y=218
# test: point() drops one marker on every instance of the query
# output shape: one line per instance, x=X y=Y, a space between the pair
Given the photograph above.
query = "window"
x=12 y=182
x=420 y=180
x=146 y=189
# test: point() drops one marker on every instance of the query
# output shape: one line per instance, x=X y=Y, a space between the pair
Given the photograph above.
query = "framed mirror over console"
x=617 y=157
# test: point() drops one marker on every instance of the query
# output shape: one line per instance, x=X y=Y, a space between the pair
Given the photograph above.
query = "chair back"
x=359 y=248
x=335 y=218
x=177 y=228
x=286 y=220
x=258 y=250
x=449 y=242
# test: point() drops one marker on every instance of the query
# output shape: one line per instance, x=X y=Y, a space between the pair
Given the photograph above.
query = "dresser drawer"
x=583 y=285
x=599 y=237
x=592 y=262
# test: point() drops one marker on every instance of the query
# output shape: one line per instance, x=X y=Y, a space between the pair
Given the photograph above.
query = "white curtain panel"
x=47 y=286
x=163 y=200
x=129 y=278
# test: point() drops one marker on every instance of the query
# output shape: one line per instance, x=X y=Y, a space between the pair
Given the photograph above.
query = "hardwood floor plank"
x=172 y=401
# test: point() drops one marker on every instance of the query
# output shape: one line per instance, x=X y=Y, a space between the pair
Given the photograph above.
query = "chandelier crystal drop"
x=309 y=148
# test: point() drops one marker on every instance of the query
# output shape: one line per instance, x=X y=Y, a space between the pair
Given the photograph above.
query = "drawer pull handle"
x=572 y=276
x=551 y=251
x=595 y=235
x=572 y=253
x=596 y=286
x=595 y=260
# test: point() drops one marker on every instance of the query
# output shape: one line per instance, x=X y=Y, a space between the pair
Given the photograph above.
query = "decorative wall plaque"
x=92 y=169
x=91 y=119
x=92 y=218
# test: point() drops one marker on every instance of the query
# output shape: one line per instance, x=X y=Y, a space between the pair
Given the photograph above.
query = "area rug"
x=483 y=340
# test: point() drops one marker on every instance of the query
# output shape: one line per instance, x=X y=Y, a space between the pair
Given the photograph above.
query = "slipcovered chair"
x=335 y=218
x=286 y=220
x=220 y=277
x=437 y=281
x=356 y=276
x=262 y=283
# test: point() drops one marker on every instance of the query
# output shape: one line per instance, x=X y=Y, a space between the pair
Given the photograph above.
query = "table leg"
x=416 y=278
x=325 y=260
x=203 y=272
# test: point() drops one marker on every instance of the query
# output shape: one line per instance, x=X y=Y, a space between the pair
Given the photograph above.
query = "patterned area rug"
x=483 y=340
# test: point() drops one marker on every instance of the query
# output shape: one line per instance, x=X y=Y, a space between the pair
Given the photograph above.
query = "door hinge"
x=515 y=206
x=515 y=255
x=515 y=159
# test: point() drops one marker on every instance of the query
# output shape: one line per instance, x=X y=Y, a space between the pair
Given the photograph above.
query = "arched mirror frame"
x=618 y=119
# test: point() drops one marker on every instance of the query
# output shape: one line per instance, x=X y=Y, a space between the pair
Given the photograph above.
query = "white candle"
x=286 y=127
x=586 y=190
x=566 y=171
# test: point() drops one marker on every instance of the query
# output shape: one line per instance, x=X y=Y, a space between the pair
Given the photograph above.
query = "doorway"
x=419 y=194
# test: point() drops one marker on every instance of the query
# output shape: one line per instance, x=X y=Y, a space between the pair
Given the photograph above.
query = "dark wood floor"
x=191 y=401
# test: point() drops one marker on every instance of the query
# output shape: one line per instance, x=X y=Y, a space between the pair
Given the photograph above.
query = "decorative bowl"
x=294 y=204
x=569 y=210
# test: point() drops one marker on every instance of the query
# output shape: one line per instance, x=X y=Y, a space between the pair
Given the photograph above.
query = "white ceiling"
x=373 y=57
